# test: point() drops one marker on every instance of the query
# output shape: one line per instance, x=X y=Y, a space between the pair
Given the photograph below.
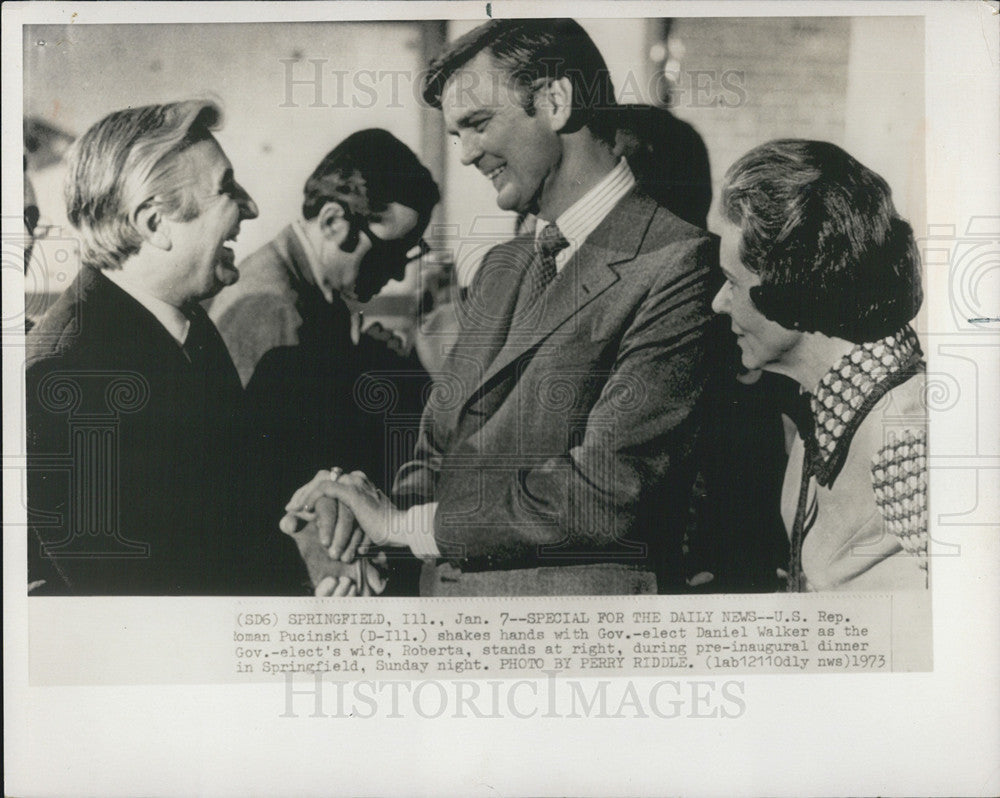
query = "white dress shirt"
x=581 y=218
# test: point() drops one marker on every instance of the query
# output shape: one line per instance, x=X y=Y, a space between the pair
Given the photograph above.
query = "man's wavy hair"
x=127 y=161
x=821 y=231
x=533 y=52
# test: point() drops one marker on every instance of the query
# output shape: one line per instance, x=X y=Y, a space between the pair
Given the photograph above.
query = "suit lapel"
x=484 y=321
x=587 y=275
x=127 y=319
x=141 y=331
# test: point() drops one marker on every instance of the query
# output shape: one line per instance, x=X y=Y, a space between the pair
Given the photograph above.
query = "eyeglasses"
x=401 y=250
x=391 y=250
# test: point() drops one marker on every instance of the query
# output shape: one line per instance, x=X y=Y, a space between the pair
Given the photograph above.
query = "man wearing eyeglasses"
x=314 y=380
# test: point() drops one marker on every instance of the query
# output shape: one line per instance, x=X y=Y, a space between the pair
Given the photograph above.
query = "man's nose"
x=720 y=304
x=248 y=208
x=471 y=151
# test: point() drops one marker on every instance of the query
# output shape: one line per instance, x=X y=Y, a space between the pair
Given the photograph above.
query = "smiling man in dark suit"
x=132 y=399
x=557 y=459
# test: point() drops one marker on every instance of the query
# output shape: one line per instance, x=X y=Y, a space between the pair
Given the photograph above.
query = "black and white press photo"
x=417 y=397
x=682 y=359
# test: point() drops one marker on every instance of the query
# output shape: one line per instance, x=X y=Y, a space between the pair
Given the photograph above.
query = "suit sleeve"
x=47 y=494
x=253 y=325
x=416 y=480
x=637 y=436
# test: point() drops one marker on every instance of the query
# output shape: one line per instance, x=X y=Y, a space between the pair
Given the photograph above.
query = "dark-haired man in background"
x=559 y=460
x=292 y=325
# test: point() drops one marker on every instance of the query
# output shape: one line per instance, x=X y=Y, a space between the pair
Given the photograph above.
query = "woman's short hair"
x=821 y=231
x=126 y=161
x=531 y=52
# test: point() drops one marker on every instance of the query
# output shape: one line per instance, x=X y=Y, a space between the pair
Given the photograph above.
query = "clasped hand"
x=335 y=518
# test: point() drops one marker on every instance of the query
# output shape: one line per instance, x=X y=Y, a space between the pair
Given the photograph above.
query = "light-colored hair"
x=127 y=161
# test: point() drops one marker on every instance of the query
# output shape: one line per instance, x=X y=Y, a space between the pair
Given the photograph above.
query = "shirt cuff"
x=418 y=530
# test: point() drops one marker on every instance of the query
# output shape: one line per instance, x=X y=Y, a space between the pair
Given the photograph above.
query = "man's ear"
x=555 y=99
x=153 y=226
x=332 y=222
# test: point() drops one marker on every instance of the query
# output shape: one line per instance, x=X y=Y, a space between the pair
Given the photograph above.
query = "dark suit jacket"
x=131 y=452
x=313 y=398
x=564 y=439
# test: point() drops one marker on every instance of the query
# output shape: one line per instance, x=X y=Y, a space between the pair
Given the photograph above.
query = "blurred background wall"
x=276 y=128
x=291 y=91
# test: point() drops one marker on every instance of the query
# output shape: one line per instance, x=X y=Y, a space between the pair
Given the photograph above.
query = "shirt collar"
x=581 y=218
x=848 y=391
x=175 y=322
x=312 y=258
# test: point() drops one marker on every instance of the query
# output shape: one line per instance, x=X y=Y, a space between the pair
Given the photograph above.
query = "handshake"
x=335 y=520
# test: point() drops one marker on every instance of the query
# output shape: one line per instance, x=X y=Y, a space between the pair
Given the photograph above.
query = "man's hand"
x=365 y=581
x=317 y=559
x=370 y=508
x=336 y=586
x=333 y=577
x=341 y=537
x=392 y=341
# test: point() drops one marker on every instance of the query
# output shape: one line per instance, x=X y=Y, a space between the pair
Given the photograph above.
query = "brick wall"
x=745 y=81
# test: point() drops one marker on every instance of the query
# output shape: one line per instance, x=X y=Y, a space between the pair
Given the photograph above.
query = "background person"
x=318 y=388
x=669 y=160
x=736 y=538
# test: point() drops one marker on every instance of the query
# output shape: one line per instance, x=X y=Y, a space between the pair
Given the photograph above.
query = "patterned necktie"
x=542 y=269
